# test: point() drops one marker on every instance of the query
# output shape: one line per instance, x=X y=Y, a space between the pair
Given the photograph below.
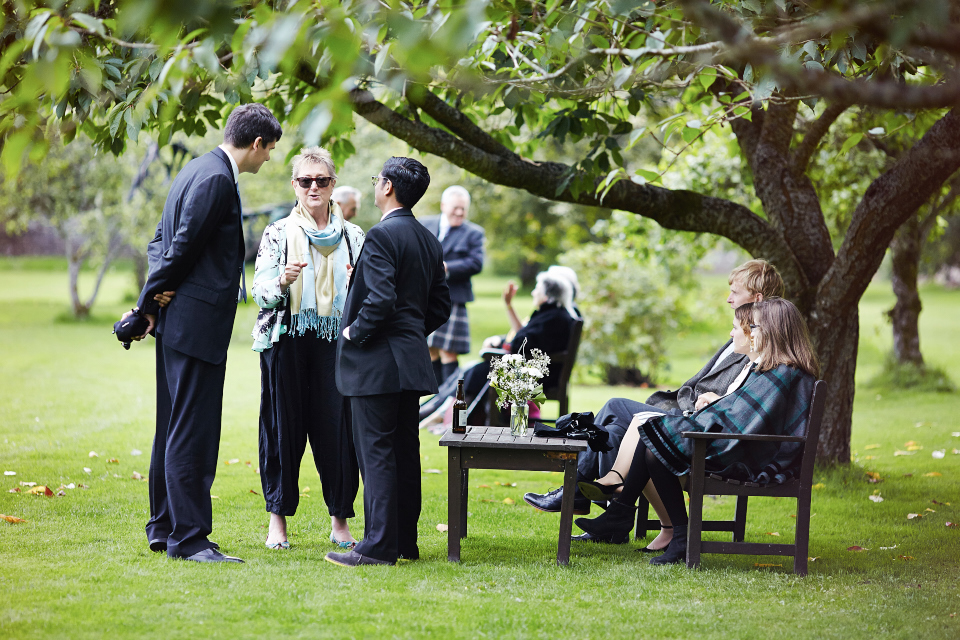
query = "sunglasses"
x=322 y=182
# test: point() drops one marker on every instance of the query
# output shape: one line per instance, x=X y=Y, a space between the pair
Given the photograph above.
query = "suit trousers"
x=615 y=416
x=385 y=430
x=299 y=401
x=184 y=459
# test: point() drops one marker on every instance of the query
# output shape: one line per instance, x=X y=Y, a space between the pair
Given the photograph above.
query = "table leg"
x=566 y=510
x=454 y=497
x=464 y=490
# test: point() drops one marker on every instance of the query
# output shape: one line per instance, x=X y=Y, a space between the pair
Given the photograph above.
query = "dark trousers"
x=388 y=446
x=615 y=416
x=184 y=459
x=299 y=401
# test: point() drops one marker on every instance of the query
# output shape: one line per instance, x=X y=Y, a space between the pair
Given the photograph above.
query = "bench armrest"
x=700 y=435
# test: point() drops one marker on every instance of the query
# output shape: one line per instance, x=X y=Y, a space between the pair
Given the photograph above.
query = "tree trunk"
x=140 y=269
x=835 y=337
x=905 y=314
x=74 y=263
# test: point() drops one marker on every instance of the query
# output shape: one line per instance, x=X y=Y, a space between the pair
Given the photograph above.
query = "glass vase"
x=519 y=418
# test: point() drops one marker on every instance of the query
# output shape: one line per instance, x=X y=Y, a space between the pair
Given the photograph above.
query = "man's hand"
x=445 y=268
x=164 y=298
x=509 y=292
x=291 y=273
x=705 y=399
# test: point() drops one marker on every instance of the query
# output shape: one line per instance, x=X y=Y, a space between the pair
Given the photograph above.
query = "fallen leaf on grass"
x=508 y=501
x=904 y=453
x=87 y=470
x=486 y=500
x=951 y=524
x=82 y=486
x=871 y=446
x=442 y=527
x=304 y=495
x=773 y=533
x=11 y=519
x=873 y=477
x=869 y=457
x=946 y=504
x=933 y=474
x=930 y=510
x=939 y=454
x=857 y=548
x=505 y=484
x=248 y=463
x=15 y=490
x=956 y=452
x=254 y=492
x=908 y=475
x=889 y=548
x=136 y=476
x=27 y=484
x=813 y=558
x=819 y=485
x=41 y=491
x=913 y=516
x=432 y=471
x=113 y=461
x=93 y=454
x=911 y=443
x=9 y=473
x=876 y=497
x=231 y=461
x=136 y=452
x=956 y=434
x=71 y=486
x=906 y=557
x=483 y=486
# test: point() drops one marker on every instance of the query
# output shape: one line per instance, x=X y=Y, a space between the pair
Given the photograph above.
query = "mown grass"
x=79 y=566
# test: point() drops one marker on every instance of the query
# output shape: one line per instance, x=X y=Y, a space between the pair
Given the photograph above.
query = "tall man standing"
x=462 y=259
x=198 y=253
x=397 y=296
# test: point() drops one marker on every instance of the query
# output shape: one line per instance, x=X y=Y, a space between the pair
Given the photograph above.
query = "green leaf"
x=850 y=143
x=89 y=22
x=707 y=77
x=649 y=176
x=381 y=59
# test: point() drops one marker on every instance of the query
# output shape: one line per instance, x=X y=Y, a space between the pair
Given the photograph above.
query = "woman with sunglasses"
x=303 y=267
x=771 y=397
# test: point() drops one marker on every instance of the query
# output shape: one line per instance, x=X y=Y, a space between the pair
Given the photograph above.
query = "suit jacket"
x=463 y=253
x=198 y=252
x=685 y=398
x=398 y=295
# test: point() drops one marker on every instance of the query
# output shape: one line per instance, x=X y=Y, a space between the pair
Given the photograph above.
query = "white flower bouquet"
x=517 y=380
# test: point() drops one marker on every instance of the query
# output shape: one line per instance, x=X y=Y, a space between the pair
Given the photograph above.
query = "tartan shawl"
x=775 y=402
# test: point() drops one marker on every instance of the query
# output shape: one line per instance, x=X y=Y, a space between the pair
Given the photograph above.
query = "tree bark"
x=905 y=314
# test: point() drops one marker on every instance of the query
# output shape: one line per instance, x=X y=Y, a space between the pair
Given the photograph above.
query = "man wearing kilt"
x=462 y=243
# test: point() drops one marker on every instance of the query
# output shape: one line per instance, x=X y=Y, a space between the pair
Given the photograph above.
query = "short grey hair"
x=455 y=190
x=342 y=193
x=569 y=274
x=557 y=289
x=318 y=155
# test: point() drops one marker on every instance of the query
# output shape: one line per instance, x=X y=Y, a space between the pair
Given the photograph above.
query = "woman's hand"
x=349 y=271
x=291 y=273
x=163 y=299
x=509 y=292
x=705 y=399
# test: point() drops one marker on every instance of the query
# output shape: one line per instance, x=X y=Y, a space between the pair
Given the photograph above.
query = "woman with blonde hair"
x=303 y=266
x=773 y=399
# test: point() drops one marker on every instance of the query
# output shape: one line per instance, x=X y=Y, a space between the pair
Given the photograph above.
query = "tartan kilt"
x=454 y=335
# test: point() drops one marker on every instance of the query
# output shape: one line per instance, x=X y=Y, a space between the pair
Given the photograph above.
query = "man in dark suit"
x=198 y=254
x=398 y=294
x=462 y=259
x=752 y=281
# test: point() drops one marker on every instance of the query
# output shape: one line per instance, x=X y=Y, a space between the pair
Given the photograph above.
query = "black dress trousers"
x=299 y=402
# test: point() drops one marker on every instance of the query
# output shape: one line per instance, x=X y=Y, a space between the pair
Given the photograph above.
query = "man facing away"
x=348 y=198
x=198 y=253
x=752 y=281
x=397 y=295
x=462 y=259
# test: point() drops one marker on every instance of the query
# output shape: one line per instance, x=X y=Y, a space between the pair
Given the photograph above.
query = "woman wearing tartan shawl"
x=772 y=396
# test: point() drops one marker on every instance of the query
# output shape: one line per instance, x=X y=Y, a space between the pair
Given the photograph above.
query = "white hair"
x=343 y=193
x=558 y=290
x=569 y=274
x=316 y=155
x=455 y=190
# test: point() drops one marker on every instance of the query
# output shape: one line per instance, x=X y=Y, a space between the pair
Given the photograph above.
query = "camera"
x=133 y=326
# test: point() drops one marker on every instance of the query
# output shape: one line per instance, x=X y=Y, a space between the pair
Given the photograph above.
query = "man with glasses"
x=198 y=253
x=397 y=296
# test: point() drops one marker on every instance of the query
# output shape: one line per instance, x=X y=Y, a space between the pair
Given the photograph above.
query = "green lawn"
x=79 y=567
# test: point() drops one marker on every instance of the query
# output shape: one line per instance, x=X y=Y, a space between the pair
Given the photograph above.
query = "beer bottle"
x=460 y=410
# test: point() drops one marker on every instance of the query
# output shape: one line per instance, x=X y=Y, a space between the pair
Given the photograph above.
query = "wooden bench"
x=486 y=447
x=699 y=483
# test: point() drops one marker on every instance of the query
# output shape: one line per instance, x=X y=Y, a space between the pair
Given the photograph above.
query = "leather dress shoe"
x=211 y=555
x=550 y=502
x=354 y=559
x=158 y=545
x=615 y=538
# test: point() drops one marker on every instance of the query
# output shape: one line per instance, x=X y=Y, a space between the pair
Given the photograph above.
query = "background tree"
x=483 y=84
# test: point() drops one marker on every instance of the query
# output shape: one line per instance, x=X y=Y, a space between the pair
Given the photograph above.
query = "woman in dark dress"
x=774 y=399
x=303 y=267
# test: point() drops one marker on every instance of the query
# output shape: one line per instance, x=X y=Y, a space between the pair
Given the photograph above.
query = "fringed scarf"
x=319 y=307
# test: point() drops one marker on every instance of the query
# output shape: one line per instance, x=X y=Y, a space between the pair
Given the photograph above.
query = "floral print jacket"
x=269 y=295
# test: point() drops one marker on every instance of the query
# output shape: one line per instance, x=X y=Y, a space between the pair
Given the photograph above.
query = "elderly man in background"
x=348 y=198
x=462 y=243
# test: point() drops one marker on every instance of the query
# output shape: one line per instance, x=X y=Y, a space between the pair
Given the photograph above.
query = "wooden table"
x=495 y=448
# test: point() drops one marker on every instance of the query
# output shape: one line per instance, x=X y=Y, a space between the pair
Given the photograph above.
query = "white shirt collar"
x=444 y=227
x=386 y=213
x=233 y=164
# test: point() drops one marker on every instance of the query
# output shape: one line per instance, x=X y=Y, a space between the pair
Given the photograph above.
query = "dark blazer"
x=398 y=295
x=463 y=253
x=717 y=381
x=548 y=330
x=198 y=252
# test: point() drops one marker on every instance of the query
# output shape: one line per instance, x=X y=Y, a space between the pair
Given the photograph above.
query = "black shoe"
x=614 y=539
x=211 y=555
x=617 y=521
x=158 y=545
x=599 y=492
x=676 y=551
x=551 y=501
x=647 y=548
x=353 y=559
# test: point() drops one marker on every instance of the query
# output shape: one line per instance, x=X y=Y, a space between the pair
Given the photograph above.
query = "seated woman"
x=779 y=382
x=547 y=330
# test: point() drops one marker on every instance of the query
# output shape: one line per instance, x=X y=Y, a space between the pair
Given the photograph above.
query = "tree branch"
x=455 y=121
x=811 y=140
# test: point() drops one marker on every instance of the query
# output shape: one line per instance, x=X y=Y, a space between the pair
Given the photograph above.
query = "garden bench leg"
x=456 y=506
x=566 y=509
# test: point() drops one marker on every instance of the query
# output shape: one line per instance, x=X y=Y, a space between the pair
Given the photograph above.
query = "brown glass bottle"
x=460 y=410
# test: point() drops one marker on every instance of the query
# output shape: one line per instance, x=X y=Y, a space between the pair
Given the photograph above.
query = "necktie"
x=242 y=294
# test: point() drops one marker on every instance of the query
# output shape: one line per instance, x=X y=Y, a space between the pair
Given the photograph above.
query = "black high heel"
x=600 y=492
x=647 y=548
